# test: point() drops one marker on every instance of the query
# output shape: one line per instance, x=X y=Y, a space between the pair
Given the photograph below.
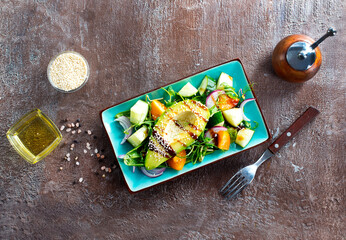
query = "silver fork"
x=245 y=175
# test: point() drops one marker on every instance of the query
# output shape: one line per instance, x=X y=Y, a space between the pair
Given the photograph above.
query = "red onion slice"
x=216 y=129
x=242 y=107
x=126 y=124
x=153 y=173
x=212 y=98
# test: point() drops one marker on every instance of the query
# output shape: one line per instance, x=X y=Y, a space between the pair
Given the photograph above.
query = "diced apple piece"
x=139 y=112
x=233 y=116
x=224 y=79
x=244 y=136
x=188 y=90
x=139 y=136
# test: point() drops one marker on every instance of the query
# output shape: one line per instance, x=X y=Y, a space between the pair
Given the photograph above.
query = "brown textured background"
x=134 y=46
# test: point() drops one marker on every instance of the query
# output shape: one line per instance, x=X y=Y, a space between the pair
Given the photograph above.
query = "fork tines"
x=234 y=186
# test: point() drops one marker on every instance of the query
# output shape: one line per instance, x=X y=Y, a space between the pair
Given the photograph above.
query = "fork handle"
x=286 y=136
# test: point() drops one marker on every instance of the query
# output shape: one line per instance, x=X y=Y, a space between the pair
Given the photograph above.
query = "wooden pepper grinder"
x=297 y=58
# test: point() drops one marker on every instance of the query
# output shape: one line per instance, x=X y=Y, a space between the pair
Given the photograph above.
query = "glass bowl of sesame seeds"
x=68 y=71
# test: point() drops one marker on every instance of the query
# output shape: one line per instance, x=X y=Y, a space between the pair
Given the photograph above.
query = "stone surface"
x=133 y=47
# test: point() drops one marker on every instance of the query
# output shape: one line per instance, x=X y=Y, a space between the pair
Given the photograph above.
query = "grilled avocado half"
x=176 y=129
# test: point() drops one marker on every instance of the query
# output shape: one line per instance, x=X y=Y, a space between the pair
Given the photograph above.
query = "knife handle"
x=285 y=137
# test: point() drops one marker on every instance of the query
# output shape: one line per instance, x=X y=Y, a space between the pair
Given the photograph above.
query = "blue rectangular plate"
x=138 y=181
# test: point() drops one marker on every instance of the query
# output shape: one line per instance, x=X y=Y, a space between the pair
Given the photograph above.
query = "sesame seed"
x=69 y=125
x=81 y=179
x=89 y=132
x=68 y=129
x=62 y=127
x=109 y=170
x=102 y=156
x=103 y=175
x=73 y=132
x=85 y=151
x=98 y=155
x=71 y=149
x=72 y=125
x=77 y=163
x=72 y=145
x=77 y=125
x=96 y=151
x=68 y=159
x=60 y=168
x=103 y=168
x=76 y=158
x=68 y=154
x=79 y=131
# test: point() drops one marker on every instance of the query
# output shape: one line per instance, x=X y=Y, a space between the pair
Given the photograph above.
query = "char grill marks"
x=169 y=150
x=194 y=136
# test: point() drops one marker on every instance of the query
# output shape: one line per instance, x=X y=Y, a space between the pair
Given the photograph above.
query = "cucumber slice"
x=139 y=112
x=224 y=79
x=188 y=90
x=139 y=136
x=234 y=116
x=203 y=85
x=244 y=136
x=216 y=120
x=208 y=83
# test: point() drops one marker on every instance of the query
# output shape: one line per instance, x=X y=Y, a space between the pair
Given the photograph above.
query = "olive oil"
x=36 y=136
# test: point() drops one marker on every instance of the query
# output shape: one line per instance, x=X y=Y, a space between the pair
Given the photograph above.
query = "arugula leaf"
x=200 y=98
x=133 y=158
x=242 y=92
x=124 y=113
x=213 y=110
x=250 y=125
x=199 y=149
x=230 y=91
x=171 y=93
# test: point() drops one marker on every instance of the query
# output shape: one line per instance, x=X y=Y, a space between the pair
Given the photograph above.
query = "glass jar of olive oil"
x=34 y=136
